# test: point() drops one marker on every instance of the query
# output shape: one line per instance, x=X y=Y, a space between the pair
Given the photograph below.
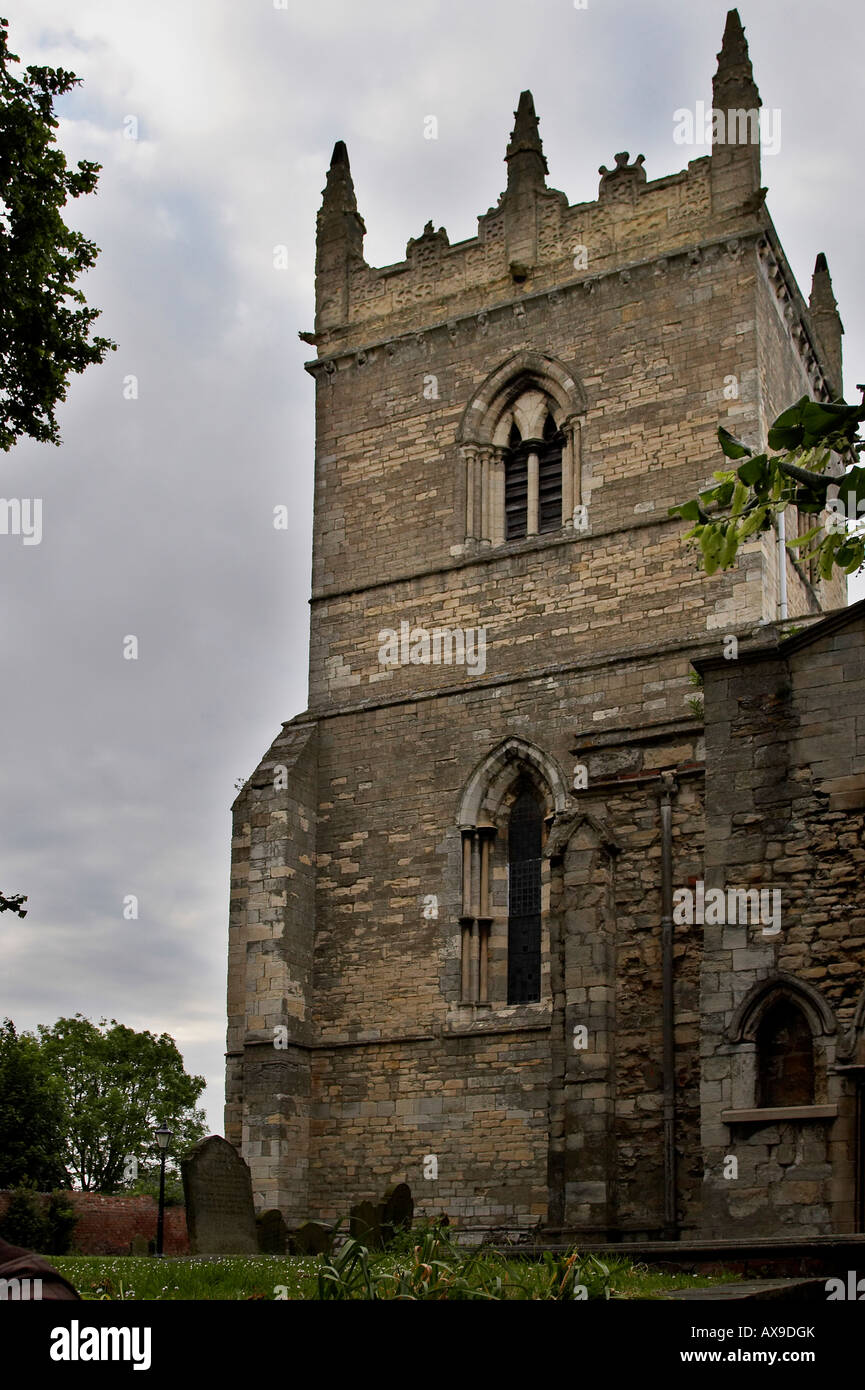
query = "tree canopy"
x=814 y=469
x=43 y=335
x=118 y=1086
x=32 y=1115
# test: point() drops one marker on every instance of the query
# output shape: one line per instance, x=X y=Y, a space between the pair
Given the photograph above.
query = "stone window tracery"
x=521 y=448
x=506 y=810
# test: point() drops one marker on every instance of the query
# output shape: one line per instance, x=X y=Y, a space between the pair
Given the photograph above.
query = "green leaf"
x=730 y=547
x=710 y=544
x=733 y=448
x=849 y=552
x=852 y=485
x=688 y=511
x=822 y=421
x=753 y=522
x=740 y=497
x=755 y=471
x=827 y=560
x=807 y=502
x=787 y=431
x=806 y=538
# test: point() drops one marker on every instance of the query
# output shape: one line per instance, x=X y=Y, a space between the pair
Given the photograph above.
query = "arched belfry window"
x=533 y=481
x=785 y=1057
x=521 y=450
x=525 y=839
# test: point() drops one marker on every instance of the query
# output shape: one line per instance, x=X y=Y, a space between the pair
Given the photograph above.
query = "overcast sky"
x=117 y=775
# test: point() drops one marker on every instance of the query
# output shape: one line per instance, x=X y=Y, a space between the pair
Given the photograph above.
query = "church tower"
x=448 y=934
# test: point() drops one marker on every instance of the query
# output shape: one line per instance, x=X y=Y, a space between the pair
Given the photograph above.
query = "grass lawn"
x=142 y=1278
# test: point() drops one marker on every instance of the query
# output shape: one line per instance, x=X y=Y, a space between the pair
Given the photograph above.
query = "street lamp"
x=163 y=1134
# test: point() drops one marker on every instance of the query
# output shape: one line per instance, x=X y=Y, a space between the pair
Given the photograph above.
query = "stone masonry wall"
x=785 y=782
x=351 y=1056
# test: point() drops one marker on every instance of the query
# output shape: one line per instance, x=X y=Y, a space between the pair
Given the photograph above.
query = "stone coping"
x=780 y=1112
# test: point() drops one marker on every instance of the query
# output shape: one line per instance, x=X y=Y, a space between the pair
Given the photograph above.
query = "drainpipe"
x=782 y=566
x=668 y=791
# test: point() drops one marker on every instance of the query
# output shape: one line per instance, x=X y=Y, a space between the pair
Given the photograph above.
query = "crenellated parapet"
x=534 y=241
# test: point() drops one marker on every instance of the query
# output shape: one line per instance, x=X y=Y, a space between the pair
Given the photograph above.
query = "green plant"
x=25 y=1222
x=118 y=1084
x=62 y=1220
x=436 y=1268
x=32 y=1115
x=45 y=1227
x=405 y=1238
x=147 y=1185
x=295 y=1278
x=745 y=500
x=44 y=337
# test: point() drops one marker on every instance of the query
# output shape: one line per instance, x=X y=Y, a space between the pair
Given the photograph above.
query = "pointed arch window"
x=525 y=838
x=520 y=442
x=785 y=1057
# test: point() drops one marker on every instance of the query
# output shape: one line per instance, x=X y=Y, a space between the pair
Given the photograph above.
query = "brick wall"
x=107 y=1224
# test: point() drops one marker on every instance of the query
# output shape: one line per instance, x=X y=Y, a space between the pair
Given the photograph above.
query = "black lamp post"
x=163 y=1134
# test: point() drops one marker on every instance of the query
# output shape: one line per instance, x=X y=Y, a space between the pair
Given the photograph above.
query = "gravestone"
x=220 y=1216
x=272 y=1233
x=397 y=1210
x=139 y=1245
x=313 y=1238
x=365 y=1225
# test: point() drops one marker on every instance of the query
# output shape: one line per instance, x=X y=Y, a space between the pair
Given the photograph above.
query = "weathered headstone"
x=220 y=1216
x=313 y=1238
x=139 y=1245
x=397 y=1210
x=272 y=1233
x=365 y=1224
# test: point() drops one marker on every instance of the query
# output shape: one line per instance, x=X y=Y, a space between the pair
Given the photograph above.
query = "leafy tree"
x=119 y=1085
x=13 y=903
x=32 y=1115
x=62 y=1219
x=31 y=1223
x=745 y=500
x=24 y=1222
x=147 y=1182
x=43 y=336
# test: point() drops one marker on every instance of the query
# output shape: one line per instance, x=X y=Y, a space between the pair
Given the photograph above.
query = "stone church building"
x=461 y=953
